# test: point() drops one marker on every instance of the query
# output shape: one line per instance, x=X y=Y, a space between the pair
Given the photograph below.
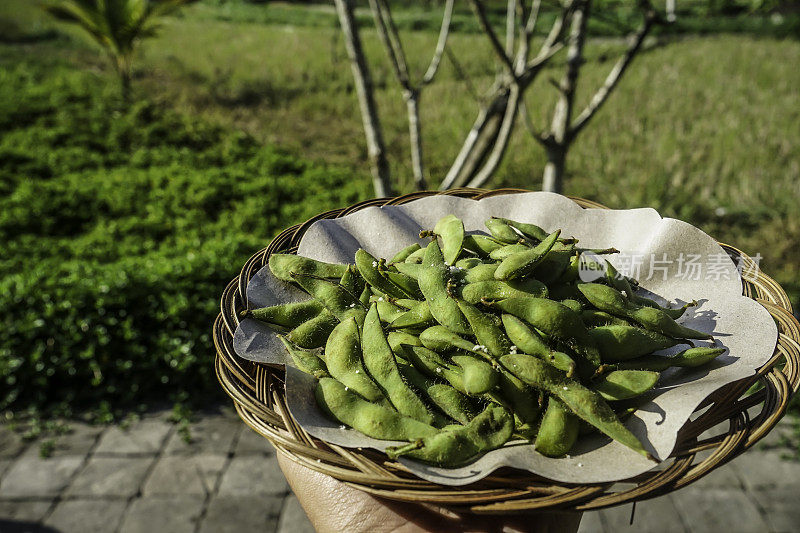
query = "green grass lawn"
x=703 y=129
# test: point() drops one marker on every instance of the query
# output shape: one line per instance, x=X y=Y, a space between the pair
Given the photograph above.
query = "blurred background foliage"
x=121 y=222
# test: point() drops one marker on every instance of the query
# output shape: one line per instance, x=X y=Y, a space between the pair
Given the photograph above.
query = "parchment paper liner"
x=738 y=323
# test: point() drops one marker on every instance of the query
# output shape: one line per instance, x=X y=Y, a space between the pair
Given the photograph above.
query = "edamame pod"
x=308 y=361
x=489 y=336
x=478 y=376
x=625 y=384
x=468 y=262
x=336 y=299
x=403 y=254
x=558 y=431
x=397 y=338
x=508 y=249
x=612 y=301
x=447 y=399
x=554 y=319
x=380 y=363
x=619 y=343
x=367 y=266
x=418 y=316
x=343 y=358
x=482 y=272
x=371 y=419
x=691 y=358
x=487 y=431
x=286 y=266
x=586 y=404
x=451 y=230
x=501 y=231
x=433 y=283
x=481 y=245
x=288 y=315
x=528 y=341
x=522 y=263
x=500 y=290
x=313 y=332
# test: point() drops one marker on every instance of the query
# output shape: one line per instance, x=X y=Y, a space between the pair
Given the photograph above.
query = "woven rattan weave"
x=737 y=416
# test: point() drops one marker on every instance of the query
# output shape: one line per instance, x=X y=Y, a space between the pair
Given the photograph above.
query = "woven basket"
x=258 y=393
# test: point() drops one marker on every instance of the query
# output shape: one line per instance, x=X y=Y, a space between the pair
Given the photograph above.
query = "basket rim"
x=257 y=392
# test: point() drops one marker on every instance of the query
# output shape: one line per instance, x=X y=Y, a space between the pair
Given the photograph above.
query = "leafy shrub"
x=120 y=230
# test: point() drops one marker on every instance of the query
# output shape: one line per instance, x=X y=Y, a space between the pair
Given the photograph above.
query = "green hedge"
x=120 y=228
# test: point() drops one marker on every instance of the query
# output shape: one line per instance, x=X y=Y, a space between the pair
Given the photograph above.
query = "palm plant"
x=116 y=25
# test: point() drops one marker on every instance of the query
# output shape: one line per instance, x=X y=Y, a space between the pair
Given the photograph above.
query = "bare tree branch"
x=614 y=76
x=562 y=115
x=480 y=12
x=447 y=19
x=511 y=26
x=364 y=89
x=462 y=75
x=503 y=137
x=395 y=53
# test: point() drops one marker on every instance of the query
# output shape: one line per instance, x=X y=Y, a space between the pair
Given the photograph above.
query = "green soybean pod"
x=489 y=430
x=500 y=290
x=553 y=265
x=478 y=376
x=367 y=266
x=531 y=231
x=388 y=311
x=554 y=319
x=418 y=316
x=501 y=231
x=481 y=245
x=308 y=361
x=624 y=384
x=584 y=403
x=352 y=281
x=441 y=339
x=447 y=399
x=314 y=332
x=612 y=301
x=488 y=334
x=371 y=419
x=522 y=263
x=286 y=266
x=407 y=284
x=691 y=358
x=403 y=254
x=619 y=343
x=433 y=283
x=416 y=257
x=411 y=270
x=575 y=305
x=595 y=318
x=451 y=230
x=336 y=299
x=380 y=364
x=343 y=357
x=558 y=431
x=482 y=272
x=406 y=303
x=522 y=400
x=528 y=341
x=468 y=262
x=398 y=338
x=508 y=249
x=622 y=284
x=288 y=315
x=366 y=296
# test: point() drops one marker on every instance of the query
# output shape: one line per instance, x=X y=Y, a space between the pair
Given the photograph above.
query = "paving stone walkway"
x=146 y=478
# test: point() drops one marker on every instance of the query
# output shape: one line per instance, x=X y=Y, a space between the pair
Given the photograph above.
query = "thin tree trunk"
x=369 y=112
x=553 y=179
x=559 y=139
x=415 y=137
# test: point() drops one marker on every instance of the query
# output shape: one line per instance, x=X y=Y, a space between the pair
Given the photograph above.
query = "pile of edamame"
x=478 y=340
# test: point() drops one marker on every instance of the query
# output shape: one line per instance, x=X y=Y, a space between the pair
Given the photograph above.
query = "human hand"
x=333 y=506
